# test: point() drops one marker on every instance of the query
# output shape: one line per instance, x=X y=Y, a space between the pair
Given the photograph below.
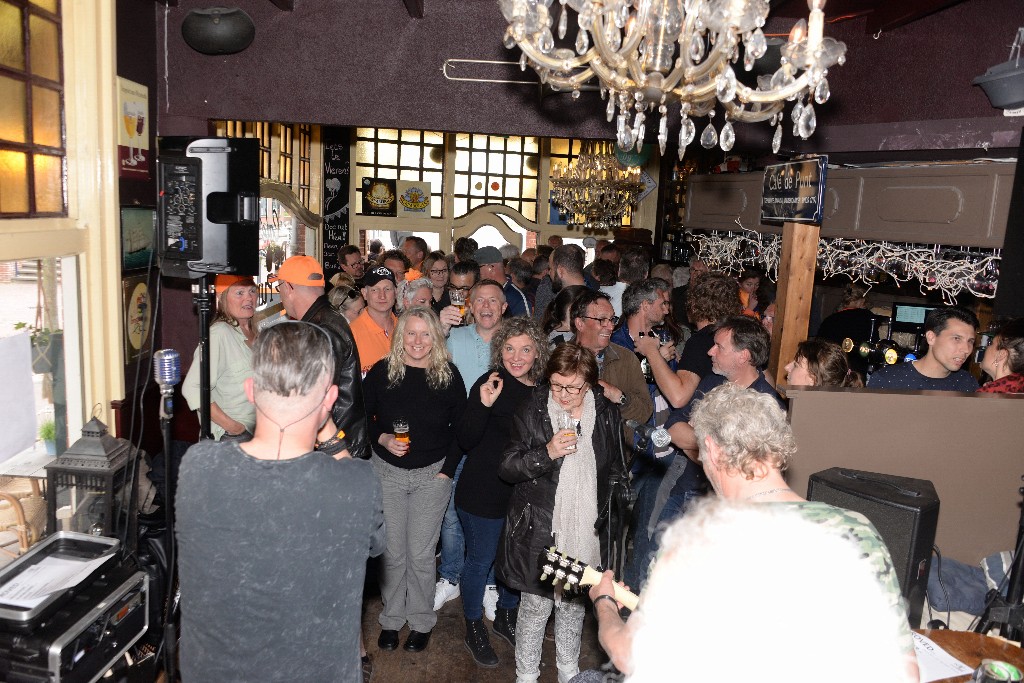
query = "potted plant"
x=48 y=434
x=47 y=347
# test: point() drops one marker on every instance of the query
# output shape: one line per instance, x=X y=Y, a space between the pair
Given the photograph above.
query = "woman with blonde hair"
x=414 y=399
x=231 y=338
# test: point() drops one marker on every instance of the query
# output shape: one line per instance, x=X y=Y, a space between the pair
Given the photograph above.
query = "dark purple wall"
x=360 y=62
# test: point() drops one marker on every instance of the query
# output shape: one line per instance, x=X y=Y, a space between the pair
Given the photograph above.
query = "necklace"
x=765 y=493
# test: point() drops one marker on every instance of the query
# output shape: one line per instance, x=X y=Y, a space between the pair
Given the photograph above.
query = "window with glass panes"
x=261 y=130
x=496 y=169
x=416 y=155
x=32 y=151
x=305 y=147
x=286 y=153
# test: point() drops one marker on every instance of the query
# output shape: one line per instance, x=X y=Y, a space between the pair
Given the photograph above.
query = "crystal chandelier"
x=649 y=54
x=594 y=190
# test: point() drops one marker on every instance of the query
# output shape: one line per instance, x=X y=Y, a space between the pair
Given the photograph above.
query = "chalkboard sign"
x=793 y=192
x=337 y=153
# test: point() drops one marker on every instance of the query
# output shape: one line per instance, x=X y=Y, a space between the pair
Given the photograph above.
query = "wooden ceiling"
x=882 y=15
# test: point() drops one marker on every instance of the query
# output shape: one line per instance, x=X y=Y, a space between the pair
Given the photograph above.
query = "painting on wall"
x=133 y=151
x=138 y=318
x=138 y=234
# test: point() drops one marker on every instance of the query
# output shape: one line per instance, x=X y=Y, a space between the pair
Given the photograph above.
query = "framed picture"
x=138 y=236
x=137 y=307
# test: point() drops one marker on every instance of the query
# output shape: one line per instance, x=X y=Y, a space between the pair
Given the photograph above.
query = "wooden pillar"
x=793 y=298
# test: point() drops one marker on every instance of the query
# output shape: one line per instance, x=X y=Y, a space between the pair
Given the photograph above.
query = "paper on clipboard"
x=935 y=663
x=30 y=587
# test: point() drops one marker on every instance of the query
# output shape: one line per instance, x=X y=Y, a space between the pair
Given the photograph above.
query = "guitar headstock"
x=563 y=570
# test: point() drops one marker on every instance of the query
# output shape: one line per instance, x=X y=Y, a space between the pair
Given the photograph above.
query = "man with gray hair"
x=320 y=518
x=745 y=444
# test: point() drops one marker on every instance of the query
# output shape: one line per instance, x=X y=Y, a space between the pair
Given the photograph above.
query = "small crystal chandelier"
x=594 y=190
x=649 y=54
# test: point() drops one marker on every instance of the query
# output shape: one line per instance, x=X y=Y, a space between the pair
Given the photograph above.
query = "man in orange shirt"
x=373 y=328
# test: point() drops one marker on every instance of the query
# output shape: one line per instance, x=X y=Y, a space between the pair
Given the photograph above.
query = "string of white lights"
x=950 y=270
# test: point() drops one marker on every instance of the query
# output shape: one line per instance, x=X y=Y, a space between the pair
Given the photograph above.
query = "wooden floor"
x=446 y=659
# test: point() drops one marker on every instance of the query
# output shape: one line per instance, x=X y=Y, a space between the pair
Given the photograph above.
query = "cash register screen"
x=909 y=317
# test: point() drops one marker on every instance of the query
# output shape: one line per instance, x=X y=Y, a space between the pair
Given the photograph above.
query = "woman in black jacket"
x=561 y=479
x=519 y=351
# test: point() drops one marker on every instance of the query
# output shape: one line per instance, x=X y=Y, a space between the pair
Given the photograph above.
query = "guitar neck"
x=622 y=596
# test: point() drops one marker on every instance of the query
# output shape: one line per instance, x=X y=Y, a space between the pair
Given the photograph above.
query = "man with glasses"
x=463 y=276
x=351 y=261
x=593 y=321
x=300 y=282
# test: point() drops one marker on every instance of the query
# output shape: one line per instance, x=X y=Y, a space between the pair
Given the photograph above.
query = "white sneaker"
x=444 y=591
x=490 y=602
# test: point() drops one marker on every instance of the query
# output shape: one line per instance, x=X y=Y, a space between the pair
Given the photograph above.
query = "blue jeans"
x=482 y=536
x=453 y=542
x=645 y=484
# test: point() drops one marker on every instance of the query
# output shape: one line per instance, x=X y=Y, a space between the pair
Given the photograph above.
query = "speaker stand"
x=1008 y=612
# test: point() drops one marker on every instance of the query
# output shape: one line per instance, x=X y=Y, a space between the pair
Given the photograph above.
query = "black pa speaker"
x=209 y=193
x=905 y=511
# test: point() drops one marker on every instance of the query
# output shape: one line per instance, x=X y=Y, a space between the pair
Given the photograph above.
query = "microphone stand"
x=170 y=633
x=1008 y=612
x=203 y=302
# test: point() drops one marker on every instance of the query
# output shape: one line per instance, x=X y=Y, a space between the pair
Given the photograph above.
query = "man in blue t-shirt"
x=950 y=334
x=470 y=348
x=740 y=350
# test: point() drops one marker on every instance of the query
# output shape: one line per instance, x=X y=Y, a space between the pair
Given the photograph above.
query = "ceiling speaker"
x=218 y=30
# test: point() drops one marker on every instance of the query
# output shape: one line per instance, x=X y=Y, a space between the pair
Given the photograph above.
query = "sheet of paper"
x=935 y=663
x=30 y=587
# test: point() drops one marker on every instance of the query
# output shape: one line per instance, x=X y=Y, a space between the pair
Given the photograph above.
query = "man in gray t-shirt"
x=273 y=535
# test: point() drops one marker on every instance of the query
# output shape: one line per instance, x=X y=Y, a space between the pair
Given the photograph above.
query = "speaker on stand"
x=905 y=512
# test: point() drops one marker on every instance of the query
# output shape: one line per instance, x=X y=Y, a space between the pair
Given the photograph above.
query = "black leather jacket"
x=526 y=464
x=348 y=413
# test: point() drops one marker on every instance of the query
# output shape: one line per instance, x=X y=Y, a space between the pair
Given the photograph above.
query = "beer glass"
x=567 y=427
x=458 y=299
x=401 y=427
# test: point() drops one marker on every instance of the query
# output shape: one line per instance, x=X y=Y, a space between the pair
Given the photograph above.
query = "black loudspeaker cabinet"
x=209 y=191
x=905 y=511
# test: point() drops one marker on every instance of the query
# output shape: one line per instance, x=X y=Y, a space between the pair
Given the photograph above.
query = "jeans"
x=534 y=611
x=645 y=484
x=453 y=541
x=482 y=536
x=414 y=503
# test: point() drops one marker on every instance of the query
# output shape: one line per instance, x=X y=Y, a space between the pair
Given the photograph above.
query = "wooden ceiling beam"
x=415 y=8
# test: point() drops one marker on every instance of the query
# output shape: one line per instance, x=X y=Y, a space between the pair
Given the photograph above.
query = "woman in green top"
x=231 y=337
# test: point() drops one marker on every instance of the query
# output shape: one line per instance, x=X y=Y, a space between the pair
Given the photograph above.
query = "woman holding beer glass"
x=414 y=399
x=561 y=478
x=519 y=351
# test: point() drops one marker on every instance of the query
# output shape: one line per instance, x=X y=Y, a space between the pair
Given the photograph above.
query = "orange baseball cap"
x=299 y=270
x=222 y=282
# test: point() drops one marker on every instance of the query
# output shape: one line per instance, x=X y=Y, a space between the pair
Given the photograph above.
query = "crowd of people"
x=478 y=402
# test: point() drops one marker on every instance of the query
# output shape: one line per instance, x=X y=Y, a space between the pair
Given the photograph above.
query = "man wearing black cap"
x=372 y=329
x=492 y=266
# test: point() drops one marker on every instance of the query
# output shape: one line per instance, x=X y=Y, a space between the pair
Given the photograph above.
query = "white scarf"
x=572 y=521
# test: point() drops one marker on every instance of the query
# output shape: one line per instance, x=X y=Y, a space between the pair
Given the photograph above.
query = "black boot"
x=505 y=624
x=479 y=645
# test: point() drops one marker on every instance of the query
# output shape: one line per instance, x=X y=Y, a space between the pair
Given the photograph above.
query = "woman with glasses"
x=561 y=455
x=435 y=268
x=345 y=297
x=414 y=400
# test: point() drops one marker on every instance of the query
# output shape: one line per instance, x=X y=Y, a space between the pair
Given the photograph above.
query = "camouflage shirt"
x=858 y=530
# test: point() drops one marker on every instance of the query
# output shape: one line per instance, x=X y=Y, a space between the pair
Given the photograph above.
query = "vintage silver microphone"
x=658 y=436
x=167 y=373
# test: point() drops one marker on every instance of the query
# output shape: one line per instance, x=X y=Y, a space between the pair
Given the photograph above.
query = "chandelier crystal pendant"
x=594 y=190
x=648 y=54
